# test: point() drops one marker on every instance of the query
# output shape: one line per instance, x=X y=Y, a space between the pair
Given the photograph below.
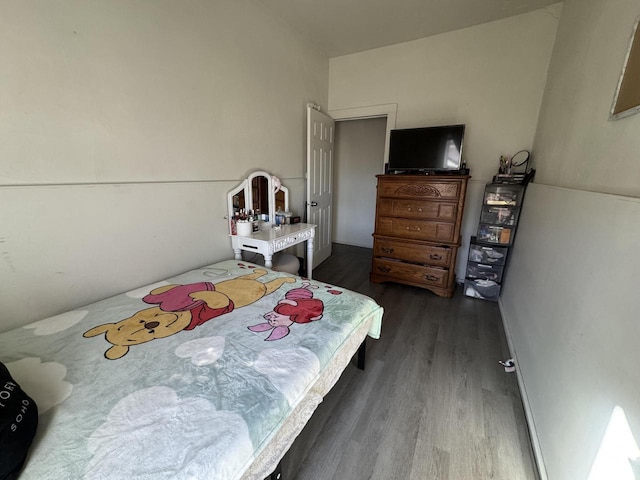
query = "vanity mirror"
x=263 y=192
x=260 y=192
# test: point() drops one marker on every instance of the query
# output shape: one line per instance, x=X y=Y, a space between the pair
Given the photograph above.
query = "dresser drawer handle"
x=384 y=269
x=410 y=209
x=413 y=229
x=388 y=250
x=435 y=256
x=431 y=278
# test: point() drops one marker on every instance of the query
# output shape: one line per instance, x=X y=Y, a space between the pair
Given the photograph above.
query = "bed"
x=210 y=374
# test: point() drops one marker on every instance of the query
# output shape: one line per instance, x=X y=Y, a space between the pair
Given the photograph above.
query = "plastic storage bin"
x=484 y=289
x=487 y=260
x=484 y=272
x=499 y=215
x=503 y=195
x=495 y=234
x=487 y=254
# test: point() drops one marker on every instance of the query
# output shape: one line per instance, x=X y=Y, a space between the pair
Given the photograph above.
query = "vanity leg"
x=268 y=260
x=309 y=257
x=238 y=253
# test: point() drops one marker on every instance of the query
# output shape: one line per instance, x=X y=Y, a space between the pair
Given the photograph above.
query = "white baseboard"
x=351 y=244
x=533 y=435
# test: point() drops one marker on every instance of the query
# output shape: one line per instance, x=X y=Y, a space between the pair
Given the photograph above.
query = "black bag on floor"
x=18 y=422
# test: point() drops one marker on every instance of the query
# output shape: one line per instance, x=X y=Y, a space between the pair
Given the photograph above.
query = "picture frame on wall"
x=626 y=100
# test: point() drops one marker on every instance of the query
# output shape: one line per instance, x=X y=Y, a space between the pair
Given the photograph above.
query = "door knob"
x=314 y=204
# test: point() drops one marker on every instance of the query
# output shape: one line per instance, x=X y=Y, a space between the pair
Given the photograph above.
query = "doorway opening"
x=361 y=150
x=359 y=157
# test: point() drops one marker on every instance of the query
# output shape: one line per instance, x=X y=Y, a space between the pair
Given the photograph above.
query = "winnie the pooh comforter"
x=188 y=378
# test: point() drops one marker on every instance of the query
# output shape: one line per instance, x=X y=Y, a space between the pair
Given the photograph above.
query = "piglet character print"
x=297 y=306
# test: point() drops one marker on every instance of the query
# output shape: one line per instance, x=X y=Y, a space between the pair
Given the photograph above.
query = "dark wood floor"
x=433 y=402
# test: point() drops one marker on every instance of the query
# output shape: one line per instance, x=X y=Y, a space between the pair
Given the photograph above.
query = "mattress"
x=210 y=374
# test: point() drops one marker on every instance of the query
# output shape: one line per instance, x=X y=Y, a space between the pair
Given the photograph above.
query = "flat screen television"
x=426 y=149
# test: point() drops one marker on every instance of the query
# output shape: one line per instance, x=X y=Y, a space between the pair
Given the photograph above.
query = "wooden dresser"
x=417 y=231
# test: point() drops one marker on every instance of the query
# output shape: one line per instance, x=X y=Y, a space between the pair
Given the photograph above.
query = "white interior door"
x=320 y=139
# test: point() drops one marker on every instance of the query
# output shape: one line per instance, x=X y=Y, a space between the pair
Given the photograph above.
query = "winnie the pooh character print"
x=183 y=307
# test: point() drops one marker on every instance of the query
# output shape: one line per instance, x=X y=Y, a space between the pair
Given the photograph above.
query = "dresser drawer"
x=392 y=207
x=419 y=188
x=408 y=272
x=412 y=252
x=416 y=229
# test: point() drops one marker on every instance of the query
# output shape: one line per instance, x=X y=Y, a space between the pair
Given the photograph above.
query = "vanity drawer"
x=415 y=188
x=394 y=207
x=416 y=229
x=410 y=273
x=412 y=252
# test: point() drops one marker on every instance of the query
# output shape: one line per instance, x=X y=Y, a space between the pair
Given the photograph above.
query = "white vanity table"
x=263 y=192
x=268 y=242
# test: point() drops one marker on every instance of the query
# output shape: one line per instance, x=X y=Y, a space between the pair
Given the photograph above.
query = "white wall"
x=359 y=157
x=576 y=144
x=571 y=306
x=570 y=302
x=123 y=124
x=490 y=77
x=110 y=91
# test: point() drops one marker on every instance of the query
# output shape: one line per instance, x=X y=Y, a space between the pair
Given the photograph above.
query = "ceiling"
x=340 y=27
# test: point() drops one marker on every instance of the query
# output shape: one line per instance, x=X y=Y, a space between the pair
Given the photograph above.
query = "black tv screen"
x=426 y=148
